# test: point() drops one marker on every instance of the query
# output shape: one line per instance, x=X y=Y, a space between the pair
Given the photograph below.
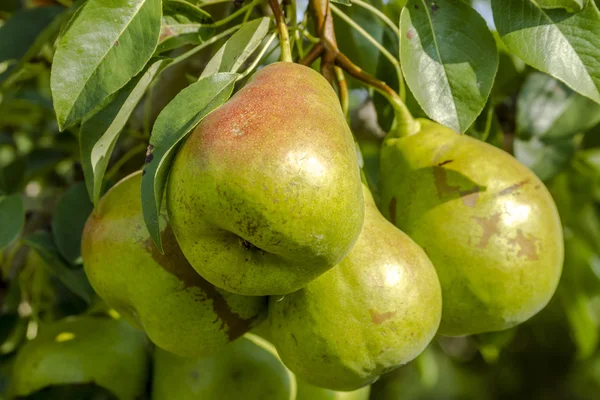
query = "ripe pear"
x=487 y=223
x=265 y=194
x=307 y=391
x=376 y=310
x=248 y=369
x=83 y=350
x=161 y=293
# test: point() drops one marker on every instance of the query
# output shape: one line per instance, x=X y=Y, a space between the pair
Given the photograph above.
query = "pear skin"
x=487 y=223
x=161 y=293
x=265 y=194
x=81 y=350
x=376 y=310
x=248 y=369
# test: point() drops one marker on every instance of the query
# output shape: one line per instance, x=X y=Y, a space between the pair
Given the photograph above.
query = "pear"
x=161 y=293
x=376 y=310
x=81 y=351
x=265 y=194
x=487 y=223
x=307 y=391
x=248 y=369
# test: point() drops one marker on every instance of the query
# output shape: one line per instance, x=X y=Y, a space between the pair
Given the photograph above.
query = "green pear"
x=161 y=293
x=487 y=223
x=265 y=194
x=306 y=391
x=248 y=369
x=376 y=310
x=83 y=350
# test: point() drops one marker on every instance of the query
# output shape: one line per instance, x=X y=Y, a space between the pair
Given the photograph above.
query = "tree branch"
x=315 y=52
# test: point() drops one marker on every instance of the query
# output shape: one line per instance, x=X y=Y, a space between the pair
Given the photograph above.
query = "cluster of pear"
x=266 y=218
x=98 y=357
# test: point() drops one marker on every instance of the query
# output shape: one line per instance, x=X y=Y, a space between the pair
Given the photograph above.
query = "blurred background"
x=547 y=126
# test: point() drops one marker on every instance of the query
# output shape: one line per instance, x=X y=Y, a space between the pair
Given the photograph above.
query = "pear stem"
x=406 y=124
x=376 y=44
x=343 y=87
x=284 y=37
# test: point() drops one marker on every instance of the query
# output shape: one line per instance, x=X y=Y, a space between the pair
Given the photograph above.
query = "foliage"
x=89 y=94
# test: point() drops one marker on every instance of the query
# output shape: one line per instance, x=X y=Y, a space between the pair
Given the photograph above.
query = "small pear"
x=376 y=310
x=487 y=223
x=248 y=369
x=265 y=194
x=83 y=350
x=161 y=293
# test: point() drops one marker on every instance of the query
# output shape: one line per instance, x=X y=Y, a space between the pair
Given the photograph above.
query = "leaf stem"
x=284 y=38
x=395 y=63
x=202 y=46
x=379 y=14
x=140 y=147
x=233 y=16
x=258 y=57
x=210 y=3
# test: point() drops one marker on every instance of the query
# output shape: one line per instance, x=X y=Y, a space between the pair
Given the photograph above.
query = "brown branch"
x=406 y=122
x=357 y=72
x=315 y=52
x=324 y=23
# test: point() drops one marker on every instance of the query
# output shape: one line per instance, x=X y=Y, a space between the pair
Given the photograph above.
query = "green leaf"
x=100 y=132
x=569 y=5
x=28 y=30
x=548 y=108
x=69 y=218
x=109 y=42
x=183 y=23
x=449 y=59
x=12 y=218
x=45 y=247
x=342 y=2
x=174 y=122
x=232 y=55
x=561 y=44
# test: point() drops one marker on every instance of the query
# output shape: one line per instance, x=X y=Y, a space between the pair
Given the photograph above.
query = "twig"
x=406 y=123
x=377 y=45
x=284 y=38
x=315 y=52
